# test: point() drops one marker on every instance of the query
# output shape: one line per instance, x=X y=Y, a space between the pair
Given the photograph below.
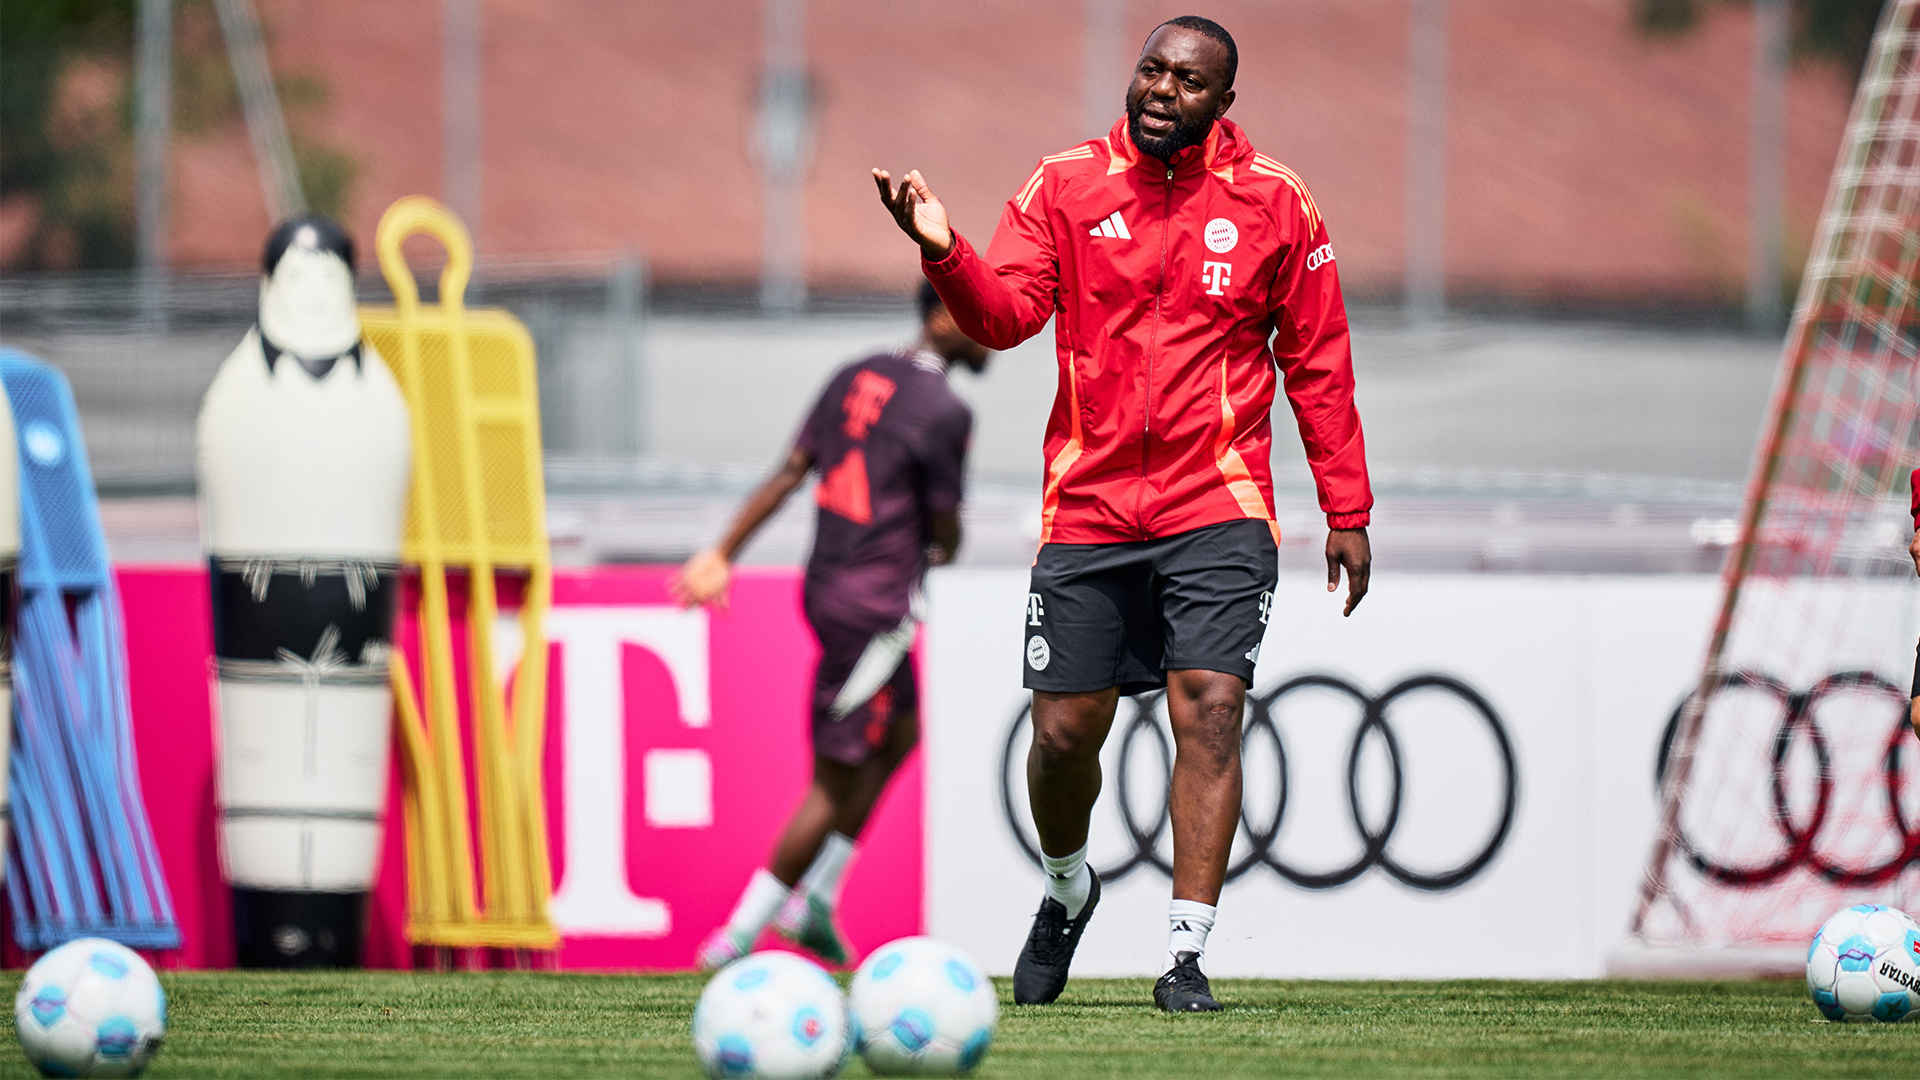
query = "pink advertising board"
x=676 y=747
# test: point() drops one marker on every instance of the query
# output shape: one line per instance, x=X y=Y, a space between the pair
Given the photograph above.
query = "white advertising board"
x=1578 y=675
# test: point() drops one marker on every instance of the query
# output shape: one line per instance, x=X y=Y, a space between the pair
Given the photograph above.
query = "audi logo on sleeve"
x=1381 y=765
x=1804 y=766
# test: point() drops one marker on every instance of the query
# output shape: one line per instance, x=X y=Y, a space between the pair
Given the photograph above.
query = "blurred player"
x=1167 y=255
x=889 y=438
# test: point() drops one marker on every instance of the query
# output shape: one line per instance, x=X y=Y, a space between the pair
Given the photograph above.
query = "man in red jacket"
x=1168 y=254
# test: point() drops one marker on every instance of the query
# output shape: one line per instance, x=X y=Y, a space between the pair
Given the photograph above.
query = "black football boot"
x=1041 y=972
x=1184 y=988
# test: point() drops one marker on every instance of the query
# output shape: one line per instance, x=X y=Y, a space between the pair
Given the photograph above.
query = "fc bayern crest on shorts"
x=1100 y=616
x=1039 y=653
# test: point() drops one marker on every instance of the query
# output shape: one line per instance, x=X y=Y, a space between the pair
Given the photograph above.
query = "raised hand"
x=917 y=211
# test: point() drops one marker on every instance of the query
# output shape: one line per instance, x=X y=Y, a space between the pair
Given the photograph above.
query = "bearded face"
x=1187 y=130
x=1182 y=83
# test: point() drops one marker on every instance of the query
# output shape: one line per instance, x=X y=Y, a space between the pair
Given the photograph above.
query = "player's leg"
x=1078 y=659
x=1063 y=764
x=807 y=918
x=807 y=832
x=1205 y=710
x=801 y=842
x=812 y=821
x=843 y=794
x=1063 y=782
x=871 y=778
x=1913 y=710
x=1216 y=590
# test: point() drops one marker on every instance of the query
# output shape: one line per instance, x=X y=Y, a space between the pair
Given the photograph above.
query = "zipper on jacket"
x=1153 y=346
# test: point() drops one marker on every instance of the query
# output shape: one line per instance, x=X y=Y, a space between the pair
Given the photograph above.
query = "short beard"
x=1185 y=133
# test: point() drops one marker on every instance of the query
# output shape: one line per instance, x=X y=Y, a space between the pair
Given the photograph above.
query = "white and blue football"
x=771 y=1014
x=1864 y=966
x=922 y=1007
x=91 y=1007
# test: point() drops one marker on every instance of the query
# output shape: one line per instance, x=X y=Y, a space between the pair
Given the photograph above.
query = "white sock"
x=1069 y=880
x=1187 y=927
x=829 y=868
x=1187 y=924
x=758 y=905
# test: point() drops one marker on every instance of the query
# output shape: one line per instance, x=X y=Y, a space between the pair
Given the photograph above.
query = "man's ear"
x=1226 y=102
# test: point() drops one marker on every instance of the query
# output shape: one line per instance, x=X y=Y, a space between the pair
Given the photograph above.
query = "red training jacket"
x=1168 y=284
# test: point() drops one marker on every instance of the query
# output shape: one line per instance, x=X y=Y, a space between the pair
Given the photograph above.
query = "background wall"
x=1586 y=161
x=1582 y=673
x=676 y=747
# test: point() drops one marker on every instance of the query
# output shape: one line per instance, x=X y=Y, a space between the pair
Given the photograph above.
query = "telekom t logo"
x=865 y=400
x=593 y=897
x=1216 y=275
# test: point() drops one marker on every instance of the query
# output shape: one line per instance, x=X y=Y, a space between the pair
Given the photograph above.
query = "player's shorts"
x=1124 y=614
x=854 y=738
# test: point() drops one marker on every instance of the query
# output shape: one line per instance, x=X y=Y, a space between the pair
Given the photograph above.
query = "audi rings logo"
x=1869 y=839
x=1376 y=784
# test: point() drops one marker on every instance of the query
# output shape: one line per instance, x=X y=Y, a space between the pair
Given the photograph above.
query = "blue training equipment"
x=83 y=862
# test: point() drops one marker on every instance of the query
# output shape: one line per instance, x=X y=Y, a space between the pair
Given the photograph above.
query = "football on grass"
x=90 y=1008
x=771 y=1014
x=922 y=1007
x=1864 y=965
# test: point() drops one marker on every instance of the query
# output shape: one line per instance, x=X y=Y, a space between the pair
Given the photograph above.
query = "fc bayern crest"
x=1221 y=236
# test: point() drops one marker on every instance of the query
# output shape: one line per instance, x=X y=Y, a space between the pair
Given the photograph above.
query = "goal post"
x=1789 y=784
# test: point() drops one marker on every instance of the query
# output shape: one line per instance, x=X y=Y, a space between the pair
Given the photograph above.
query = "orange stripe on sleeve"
x=1027 y=191
x=1266 y=166
x=1032 y=185
x=1306 y=194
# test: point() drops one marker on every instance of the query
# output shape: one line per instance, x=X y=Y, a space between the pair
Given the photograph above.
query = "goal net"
x=1790 y=784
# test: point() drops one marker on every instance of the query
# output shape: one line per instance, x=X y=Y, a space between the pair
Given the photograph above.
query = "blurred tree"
x=69 y=160
x=66 y=124
x=326 y=171
x=1837 y=32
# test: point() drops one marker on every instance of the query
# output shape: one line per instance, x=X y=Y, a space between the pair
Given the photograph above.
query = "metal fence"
x=141 y=351
x=638 y=385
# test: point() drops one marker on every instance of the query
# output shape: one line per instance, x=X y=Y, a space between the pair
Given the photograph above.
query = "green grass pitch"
x=534 y=1025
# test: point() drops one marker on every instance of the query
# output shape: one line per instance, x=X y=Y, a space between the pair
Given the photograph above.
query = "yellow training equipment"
x=478 y=505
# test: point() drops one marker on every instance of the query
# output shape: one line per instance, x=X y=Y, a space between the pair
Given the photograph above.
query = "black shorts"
x=857 y=736
x=1124 y=614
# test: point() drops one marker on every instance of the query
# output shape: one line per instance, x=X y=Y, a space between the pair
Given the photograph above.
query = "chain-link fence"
x=641 y=390
x=141 y=351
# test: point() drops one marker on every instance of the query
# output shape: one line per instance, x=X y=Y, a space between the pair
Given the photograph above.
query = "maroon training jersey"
x=889 y=439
